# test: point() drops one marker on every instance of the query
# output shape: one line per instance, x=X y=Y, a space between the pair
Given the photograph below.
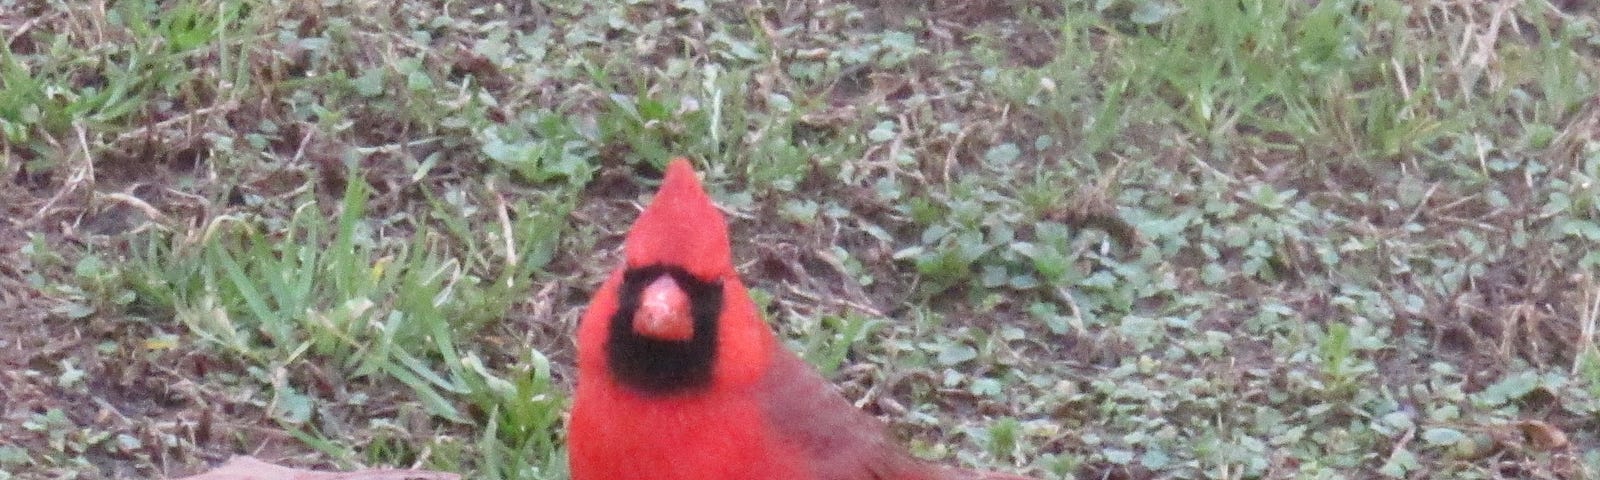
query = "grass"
x=1118 y=239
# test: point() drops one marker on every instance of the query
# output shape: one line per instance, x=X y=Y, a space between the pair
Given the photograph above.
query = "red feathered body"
x=679 y=378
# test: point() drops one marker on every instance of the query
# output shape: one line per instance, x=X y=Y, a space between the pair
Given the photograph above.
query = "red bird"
x=679 y=378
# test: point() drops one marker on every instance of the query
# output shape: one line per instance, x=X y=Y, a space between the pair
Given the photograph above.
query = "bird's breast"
x=621 y=435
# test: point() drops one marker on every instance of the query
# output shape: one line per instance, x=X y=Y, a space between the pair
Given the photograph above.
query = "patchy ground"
x=1132 y=239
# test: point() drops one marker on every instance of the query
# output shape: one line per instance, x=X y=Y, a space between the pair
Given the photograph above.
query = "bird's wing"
x=839 y=441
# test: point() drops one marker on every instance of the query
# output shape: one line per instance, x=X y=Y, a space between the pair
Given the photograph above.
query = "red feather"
x=679 y=378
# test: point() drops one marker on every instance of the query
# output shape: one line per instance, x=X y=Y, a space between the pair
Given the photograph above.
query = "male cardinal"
x=679 y=378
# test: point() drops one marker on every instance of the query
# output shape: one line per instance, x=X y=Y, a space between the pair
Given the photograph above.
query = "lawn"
x=1121 y=239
